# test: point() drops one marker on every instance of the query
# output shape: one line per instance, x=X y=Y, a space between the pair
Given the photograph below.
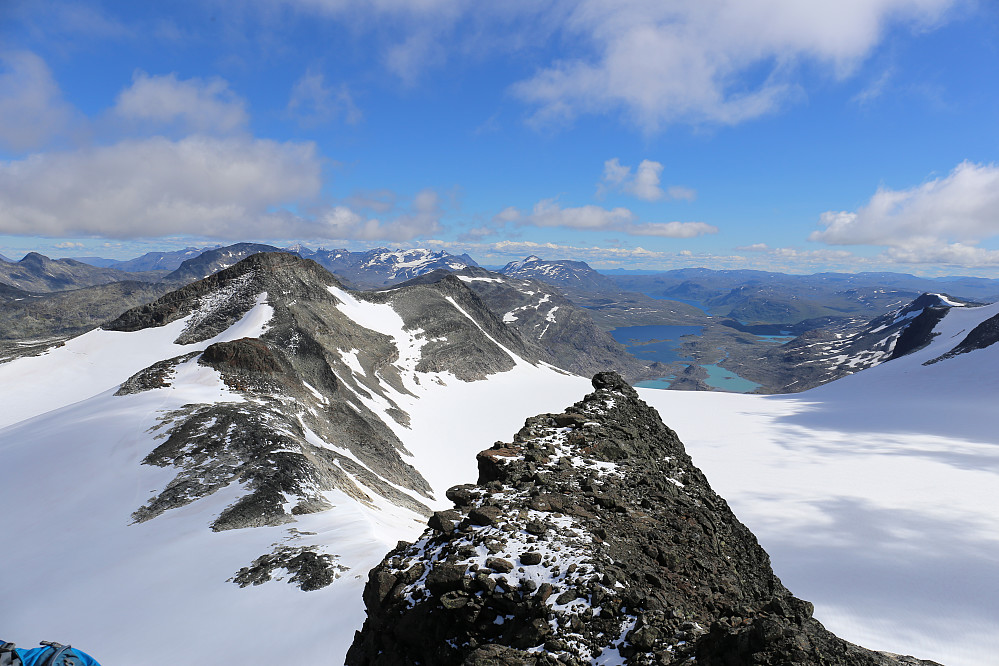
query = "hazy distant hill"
x=37 y=273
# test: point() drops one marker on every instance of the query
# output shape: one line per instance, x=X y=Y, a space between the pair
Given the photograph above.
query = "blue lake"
x=654 y=343
x=776 y=338
x=726 y=380
x=660 y=343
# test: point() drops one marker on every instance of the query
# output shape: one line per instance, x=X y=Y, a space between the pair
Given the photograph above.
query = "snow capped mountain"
x=226 y=464
x=571 y=275
x=254 y=441
x=382 y=267
x=822 y=355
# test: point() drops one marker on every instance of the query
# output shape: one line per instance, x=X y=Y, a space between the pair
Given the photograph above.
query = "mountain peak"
x=590 y=535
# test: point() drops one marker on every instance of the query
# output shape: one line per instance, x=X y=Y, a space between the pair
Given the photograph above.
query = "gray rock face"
x=559 y=332
x=984 y=335
x=312 y=398
x=590 y=535
x=573 y=275
x=62 y=314
x=823 y=355
x=212 y=261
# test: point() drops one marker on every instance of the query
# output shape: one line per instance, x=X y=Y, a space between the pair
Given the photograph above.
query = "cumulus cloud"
x=225 y=188
x=193 y=105
x=548 y=213
x=691 y=61
x=954 y=254
x=151 y=187
x=644 y=183
x=755 y=247
x=313 y=102
x=947 y=215
x=422 y=218
x=32 y=109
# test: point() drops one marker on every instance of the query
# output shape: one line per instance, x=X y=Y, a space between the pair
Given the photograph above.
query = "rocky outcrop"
x=556 y=330
x=311 y=409
x=590 y=538
x=984 y=335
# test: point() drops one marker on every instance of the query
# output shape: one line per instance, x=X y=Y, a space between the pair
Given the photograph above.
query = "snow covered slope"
x=824 y=354
x=382 y=267
x=875 y=494
x=248 y=426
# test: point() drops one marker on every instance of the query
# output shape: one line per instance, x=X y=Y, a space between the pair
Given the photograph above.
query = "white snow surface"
x=156 y=593
x=465 y=278
x=874 y=495
x=100 y=360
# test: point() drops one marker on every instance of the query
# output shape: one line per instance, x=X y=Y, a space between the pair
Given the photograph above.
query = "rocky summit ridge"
x=315 y=403
x=590 y=538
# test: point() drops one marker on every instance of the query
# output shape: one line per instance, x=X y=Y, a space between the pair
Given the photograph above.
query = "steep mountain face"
x=205 y=263
x=252 y=443
x=568 y=275
x=37 y=273
x=563 y=333
x=590 y=538
x=382 y=267
x=822 y=355
x=319 y=388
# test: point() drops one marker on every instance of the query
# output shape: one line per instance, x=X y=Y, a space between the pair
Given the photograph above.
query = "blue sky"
x=773 y=134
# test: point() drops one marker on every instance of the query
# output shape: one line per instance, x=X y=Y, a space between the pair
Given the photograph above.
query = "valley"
x=260 y=436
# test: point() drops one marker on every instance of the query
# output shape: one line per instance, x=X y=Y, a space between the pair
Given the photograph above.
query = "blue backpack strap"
x=66 y=655
x=8 y=655
x=58 y=655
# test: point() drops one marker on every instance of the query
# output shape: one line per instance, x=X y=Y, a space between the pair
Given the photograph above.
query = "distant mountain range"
x=564 y=306
x=234 y=456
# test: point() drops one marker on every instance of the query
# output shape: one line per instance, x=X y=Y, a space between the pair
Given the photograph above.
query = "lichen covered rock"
x=591 y=538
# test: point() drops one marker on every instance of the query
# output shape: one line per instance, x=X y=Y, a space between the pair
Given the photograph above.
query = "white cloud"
x=314 y=103
x=755 y=247
x=961 y=208
x=202 y=186
x=508 y=214
x=32 y=110
x=226 y=188
x=548 y=213
x=953 y=254
x=194 y=105
x=644 y=184
x=692 y=60
x=672 y=229
x=421 y=218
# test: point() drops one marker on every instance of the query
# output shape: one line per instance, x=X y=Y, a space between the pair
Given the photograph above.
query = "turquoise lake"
x=660 y=343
